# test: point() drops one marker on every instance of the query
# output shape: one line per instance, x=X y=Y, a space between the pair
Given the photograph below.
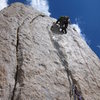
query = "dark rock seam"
x=64 y=62
x=20 y=59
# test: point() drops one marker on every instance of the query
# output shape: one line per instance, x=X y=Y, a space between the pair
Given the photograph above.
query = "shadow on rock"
x=55 y=29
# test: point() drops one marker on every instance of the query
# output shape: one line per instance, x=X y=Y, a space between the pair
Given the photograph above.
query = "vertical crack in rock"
x=86 y=62
x=19 y=59
x=62 y=57
x=16 y=74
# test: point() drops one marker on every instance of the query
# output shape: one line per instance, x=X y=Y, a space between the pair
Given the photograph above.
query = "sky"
x=85 y=13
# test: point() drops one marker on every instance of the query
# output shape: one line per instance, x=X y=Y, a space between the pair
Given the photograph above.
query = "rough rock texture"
x=38 y=63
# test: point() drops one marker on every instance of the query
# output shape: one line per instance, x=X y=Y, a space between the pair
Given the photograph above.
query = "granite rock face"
x=37 y=62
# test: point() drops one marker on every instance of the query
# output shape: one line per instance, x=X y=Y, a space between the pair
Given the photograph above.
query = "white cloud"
x=78 y=29
x=98 y=46
x=41 y=5
x=3 y=4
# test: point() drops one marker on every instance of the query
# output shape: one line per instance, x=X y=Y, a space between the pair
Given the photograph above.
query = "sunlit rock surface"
x=37 y=62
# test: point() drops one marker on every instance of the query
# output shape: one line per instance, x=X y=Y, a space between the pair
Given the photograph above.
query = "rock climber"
x=77 y=94
x=63 y=22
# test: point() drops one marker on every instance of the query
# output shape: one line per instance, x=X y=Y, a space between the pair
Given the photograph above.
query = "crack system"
x=60 y=53
x=16 y=74
x=40 y=15
x=19 y=57
x=62 y=58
